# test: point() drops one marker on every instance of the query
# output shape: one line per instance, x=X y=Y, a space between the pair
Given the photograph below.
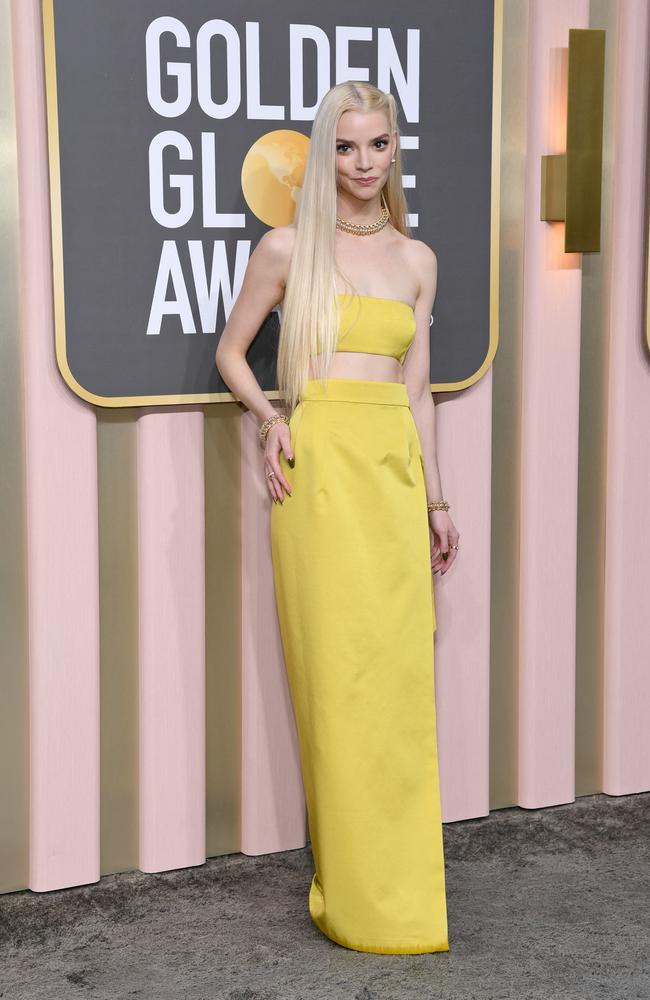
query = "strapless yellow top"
x=375 y=326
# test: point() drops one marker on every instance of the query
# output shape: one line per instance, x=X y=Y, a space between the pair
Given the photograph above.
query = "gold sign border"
x=217 y=397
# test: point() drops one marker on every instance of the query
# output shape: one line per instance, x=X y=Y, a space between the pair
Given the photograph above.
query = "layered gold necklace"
x=358 y=229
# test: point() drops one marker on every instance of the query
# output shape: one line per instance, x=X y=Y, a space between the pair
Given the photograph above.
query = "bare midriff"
x=361 y=365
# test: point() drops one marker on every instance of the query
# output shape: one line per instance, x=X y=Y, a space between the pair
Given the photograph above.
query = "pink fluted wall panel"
x=273 y=809
x=62 y=549
x=626 y=750
x=549 y=437
x=462 y=639
x=171 y=566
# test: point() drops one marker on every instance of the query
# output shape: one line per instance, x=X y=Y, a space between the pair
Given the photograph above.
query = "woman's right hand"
x=278 y=441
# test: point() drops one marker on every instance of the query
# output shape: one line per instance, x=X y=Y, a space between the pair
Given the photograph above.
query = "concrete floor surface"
x=542 y=904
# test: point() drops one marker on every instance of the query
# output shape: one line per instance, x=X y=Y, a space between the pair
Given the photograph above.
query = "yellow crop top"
x=375 y=326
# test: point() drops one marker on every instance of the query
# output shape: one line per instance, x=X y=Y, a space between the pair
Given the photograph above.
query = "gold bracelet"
x=437 y=505
x=268 y=424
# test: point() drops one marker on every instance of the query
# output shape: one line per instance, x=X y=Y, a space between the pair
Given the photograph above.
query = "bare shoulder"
x=278 y=241
x=272 y=255
x=423 y=257
x=418 y=256
x=425 y=266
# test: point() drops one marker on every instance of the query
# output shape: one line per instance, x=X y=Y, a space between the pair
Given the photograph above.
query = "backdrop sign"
x=177 y=138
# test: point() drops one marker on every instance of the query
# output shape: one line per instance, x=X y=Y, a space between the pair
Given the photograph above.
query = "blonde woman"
x=358 y=522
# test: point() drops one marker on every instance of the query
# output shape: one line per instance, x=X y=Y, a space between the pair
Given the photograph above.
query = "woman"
x=353 y=540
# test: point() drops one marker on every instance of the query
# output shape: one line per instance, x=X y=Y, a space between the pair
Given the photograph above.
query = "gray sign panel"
x=153 y=110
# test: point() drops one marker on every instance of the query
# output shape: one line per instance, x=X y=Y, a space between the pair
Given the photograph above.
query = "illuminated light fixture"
x=572 y=181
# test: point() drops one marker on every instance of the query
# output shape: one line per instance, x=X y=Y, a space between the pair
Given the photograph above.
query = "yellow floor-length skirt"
x=354 y=592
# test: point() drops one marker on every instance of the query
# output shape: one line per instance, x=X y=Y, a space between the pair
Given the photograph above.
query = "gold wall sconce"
x=572 y=181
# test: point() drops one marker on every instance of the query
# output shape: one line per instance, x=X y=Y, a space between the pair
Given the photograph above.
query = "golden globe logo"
x=272 y=174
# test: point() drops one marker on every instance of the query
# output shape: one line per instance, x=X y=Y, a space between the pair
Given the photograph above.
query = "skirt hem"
x=385 y=949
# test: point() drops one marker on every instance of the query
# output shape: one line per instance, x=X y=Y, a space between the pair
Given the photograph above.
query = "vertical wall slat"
x=118 y=607
x=273 y=807
x=462 y=638
x=223 y=627
x=592 y=458
x=14 y=705
x=506 y=409
x=626 y=749
x=171 y=559
x=549 y=437
x=61 y=509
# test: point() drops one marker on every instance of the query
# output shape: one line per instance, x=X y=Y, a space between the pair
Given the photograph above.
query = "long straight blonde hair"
x=310 y=311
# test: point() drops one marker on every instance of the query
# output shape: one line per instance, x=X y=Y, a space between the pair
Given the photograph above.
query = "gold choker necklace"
x=357 y=229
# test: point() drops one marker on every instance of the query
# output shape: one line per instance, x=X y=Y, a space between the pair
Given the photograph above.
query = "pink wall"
x=549 y=437
x=61 y=496
x=626 y=696
x=60 y=461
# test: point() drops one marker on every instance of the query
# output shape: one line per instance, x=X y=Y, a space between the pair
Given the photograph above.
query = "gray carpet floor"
x=542 y=904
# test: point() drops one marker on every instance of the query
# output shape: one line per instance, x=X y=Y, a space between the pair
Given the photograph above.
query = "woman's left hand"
x=443 y=536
